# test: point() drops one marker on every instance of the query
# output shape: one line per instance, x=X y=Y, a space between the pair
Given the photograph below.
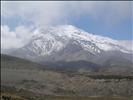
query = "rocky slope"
x=28 y=76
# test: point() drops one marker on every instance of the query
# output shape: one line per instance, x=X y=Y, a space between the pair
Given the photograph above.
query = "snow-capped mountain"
x=68 y=43
x=53 y=39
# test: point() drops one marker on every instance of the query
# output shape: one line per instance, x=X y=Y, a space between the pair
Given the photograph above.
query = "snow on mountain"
x=46 y=41
x=127 y=44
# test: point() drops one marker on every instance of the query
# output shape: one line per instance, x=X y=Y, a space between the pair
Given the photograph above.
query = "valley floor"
x=8 y=96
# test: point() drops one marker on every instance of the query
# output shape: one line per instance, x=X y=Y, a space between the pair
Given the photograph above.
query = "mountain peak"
x=47 y=41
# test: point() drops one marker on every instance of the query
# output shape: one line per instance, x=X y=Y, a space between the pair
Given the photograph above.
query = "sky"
x=107 y=18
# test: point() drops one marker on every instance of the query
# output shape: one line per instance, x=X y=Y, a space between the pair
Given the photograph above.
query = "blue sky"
x=111 y=19
x=120 y=31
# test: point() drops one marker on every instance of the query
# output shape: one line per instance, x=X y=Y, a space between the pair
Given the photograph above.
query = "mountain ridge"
x=68 y=43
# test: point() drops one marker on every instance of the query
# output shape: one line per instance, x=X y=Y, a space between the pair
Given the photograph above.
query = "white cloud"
x=14 y=39
x=45 y=13
x=53 y=12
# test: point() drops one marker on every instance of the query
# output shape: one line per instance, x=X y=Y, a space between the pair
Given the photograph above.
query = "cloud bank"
x=14 y=39
x=48 y=12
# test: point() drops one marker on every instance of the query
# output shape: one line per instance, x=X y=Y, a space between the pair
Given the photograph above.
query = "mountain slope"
x=18 y=63
x=68 y=43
